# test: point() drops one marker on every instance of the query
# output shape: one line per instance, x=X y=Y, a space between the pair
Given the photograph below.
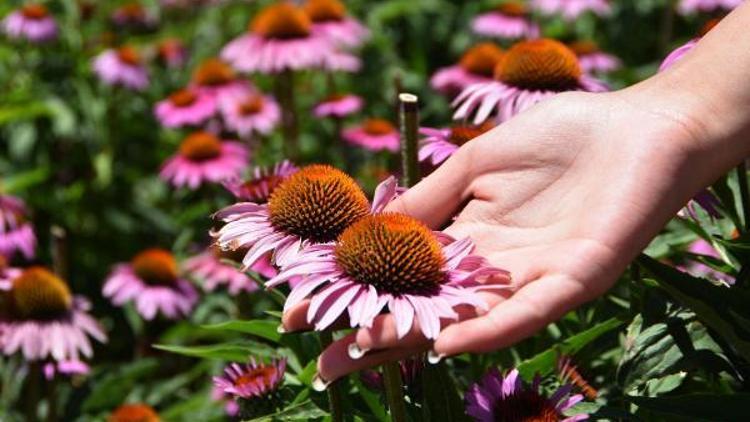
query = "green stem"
x=59 y=251
x=409 y=123
x=33 y=391
x=744 y=194
x=334 y=390
x=394 y=391
x=284 y=87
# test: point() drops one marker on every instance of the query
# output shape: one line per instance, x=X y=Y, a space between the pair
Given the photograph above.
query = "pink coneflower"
x=314 y=205
x=209 y=269
x=261 y=183
x=151 y=280
x=528 y=73
x=338 y=106
x=571 y=9
x=123 y=67
x=388 y=259
x=687 y=7
x=249 y=112
x=255 y=386
x=592 y=59
x=281 y=38
x=373 y=134
x=510 y=20
x=16 y=232
x=172 y=52
x=68 y=368
x=186 y=107
x=231 y=408
x=678 y=53
x=698 y=269
x=330 y=20
x=476 y=65
x=217 y=78
x=498 y=398
x=439 y=144
x=136 y=412
x=202 y=157
x=7 y=274
x=45 y=320
x=133 y=15
x=31 y=22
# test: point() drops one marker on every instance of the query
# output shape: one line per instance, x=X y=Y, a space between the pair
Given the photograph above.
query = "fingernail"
x=355 y=352
x=280 y=329
x=319 y=384
x=433 y=357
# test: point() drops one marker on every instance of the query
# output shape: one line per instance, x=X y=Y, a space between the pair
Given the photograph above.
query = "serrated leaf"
x=261 y=328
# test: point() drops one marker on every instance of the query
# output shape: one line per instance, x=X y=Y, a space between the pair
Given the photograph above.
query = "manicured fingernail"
x=433 y=357
x=355 y=352
x=319 y=384
x=280 y=329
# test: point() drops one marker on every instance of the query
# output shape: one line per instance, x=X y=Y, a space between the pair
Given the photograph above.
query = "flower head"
x=476 y=65
x=374 y=134
x=133 y=15
x=592 y=59
x=439 y=144
x=172 y=52
x=255 y=386
x=7 y=274
x=571 y=9
x=122 y=66
x=202 y=157
x=261 y=183
x=134 y=413
x=68 y=368
x=281 y=38
x=498 y=398
x=688 y=7
x=16 y=231
x=209 y=268
x=215 y=77
x=388 y=259
x=338 y=106
x=329 y=19
x=151 y=280
x=250 y=111
x=31 y=22
x=185 y=107
x=44 y=320
x=312 y=206
x=510 y=20
x=701 y=249
x=526 y=74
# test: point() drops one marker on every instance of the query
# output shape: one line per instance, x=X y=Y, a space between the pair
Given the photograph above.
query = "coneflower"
x=16 y=231
x=32 y=22
x=122 y=67
x=255 y=386
x=509 y=20
x=439 y=144
x=373 y=134
x=476 y=65
x=330 y=19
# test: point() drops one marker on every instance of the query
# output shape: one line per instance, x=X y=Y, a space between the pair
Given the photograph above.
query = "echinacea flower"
x=208 y=268
x=696 y=268
x=592 y=59
x=7 y=274
x=570 y=374
x=389 y=259
x=498 y=398
x=527 y=73
x=312 y=206
x=16 y=231
x=231 y=408
x=679 y=52
x=172 y=52
x=476 y=65
x=688 y=7
x=136 y=412
x=250 y=112
x=374 y=134
x=338 y=106
x=330 y=20
x=122 y=66
x=261 y=183
x=203 y=157
x=439 y=144
x=68 y=368
x=133 y=15
x=217 y=78
x=186 y=107
x=44 y=320
x=280 y=38
x=510 y=20
x=571 y=9
x=31 y=22
x=151 y=280
x=255 y=386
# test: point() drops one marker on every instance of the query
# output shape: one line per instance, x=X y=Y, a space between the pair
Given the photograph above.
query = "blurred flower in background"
x=185 y=107
x=7 y=274
x=208 y=268
x=133 y=15
x=68 y=368
x=329 y=19
x=261 y=183
x=32 y=22
x=338 y=106
x=202 y=157
x=250 y=112
x=254 y=386
x=122 y=67
x=217 y=78
x=476 y=65
x=172 y=52
x=571 y=9
x=509 y=20
x=374 y=134
x=592 y=59
x=687 y=7
x=439 y=144
x=137 y=412
x=16 y=231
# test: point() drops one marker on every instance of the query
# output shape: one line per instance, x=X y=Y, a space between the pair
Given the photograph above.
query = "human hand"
x=563 y=196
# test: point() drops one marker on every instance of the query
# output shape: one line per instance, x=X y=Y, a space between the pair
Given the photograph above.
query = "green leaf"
x=441 y=399
x=261 y=328
x=235 y=352
x=697 y=407
x=299 y=412
x=658 y=386
x=114 y=387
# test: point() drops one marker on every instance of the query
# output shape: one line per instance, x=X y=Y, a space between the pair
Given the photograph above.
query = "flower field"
x=202 y=216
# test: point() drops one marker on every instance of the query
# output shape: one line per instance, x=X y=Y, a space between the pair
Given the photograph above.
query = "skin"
x=566 y=194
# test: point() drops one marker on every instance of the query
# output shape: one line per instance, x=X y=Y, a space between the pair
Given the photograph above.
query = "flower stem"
x=334 y=390
x=744 y=194
x=409 y=123
x=284 y=87
x=59 y=251
x=394 y=391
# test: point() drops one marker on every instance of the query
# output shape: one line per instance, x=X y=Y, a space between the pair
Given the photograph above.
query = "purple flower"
x=510 y=20
x=571 y=9
x=121 y=67
x=250 y=112
x=374 y=135
x=172 y=52
x=592 y=59
x=330 y=21
x=261 y=183
x=687 y=7
x=252 y=380
x=698 y=269
x=186 y=107
x=68 y=368
x=214 y=77
x=338 y=106
x=31 y=22
x=16 y=232
x=476 y=65
x=209 y=269
x=439 y=144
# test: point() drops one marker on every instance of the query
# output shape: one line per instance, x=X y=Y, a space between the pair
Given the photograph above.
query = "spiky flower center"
x=200 y=146
x=129 y=55
x=282 y=20
x=539 y=65
x=34 y=11
x=325 y=10
x=134 y=413
x=512 y=8
x=213 y=72
x=252 y=105
x=378 y=127
x=584 y=47
x=263 y=375
x=317 y=203
x=38 y=294
x=525 y=406
x=461 y=134
x=393 y=252
x=156 y=267
x=481 y=59
x=183 y=98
